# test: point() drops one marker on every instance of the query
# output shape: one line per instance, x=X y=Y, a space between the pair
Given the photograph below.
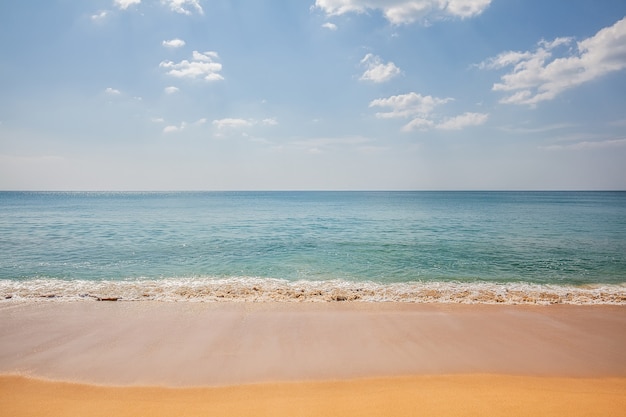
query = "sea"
x=336 y=246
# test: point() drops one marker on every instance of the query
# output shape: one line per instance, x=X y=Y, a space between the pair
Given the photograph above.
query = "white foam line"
x=254 y=289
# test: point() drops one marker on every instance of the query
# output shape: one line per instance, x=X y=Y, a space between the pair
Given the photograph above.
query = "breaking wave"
x=249 y=289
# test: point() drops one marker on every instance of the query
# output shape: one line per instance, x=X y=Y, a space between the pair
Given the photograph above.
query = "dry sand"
x=468 y=395
x=310 y=359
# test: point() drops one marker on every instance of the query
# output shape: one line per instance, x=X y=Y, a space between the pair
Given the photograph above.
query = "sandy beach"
x=151 y=358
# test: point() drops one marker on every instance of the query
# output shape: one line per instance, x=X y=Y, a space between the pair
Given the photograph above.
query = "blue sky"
x=316 y=94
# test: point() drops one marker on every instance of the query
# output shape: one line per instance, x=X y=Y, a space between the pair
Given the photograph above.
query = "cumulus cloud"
x=407 y=105
x=112 y=91
x=420 y=109
x=202 y=65
x=174 y=43
x=125 y=4
x=171 y=90
x=559 y=65
x=184 y=6
x=406 y=11
x=377 y=71
x=330 y=26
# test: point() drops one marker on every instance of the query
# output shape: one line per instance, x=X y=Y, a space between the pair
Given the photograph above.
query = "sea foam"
x=251 y=289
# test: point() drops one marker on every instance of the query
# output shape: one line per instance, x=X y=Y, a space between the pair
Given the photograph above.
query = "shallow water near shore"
x=513 y=247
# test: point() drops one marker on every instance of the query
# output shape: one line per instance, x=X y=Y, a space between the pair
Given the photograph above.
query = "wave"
x=249 y=289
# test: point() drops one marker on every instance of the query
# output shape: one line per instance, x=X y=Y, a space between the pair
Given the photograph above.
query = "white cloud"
x=171 y=90
x=174 y=43
x=420 y=110
x=406 y=11
x=202 y=65
x=330 y=26
x=186 y=7
x=205 y=57
x=125 y=4
x=112 y=91
x=230 y=123
x=418 y=123
x=171 y=129
x=101 y=15
x=377 y=71
x=466 y=8
x=238 y=123
x=463 y=120
x=407 y=105
x=540 y=75
x=181 y=127
x=183 y=6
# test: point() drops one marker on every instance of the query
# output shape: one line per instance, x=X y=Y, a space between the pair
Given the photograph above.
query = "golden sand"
x=462 y=395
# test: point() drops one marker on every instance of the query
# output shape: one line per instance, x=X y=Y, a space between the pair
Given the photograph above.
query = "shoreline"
x=283 y=359
x=269 y=290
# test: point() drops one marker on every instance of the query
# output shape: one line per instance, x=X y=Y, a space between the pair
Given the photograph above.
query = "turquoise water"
x=382 y=238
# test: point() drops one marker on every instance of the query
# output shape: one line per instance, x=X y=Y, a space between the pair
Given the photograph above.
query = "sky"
x=313 y=95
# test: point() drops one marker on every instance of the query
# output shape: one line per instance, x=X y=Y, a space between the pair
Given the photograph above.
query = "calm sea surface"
x=144 y=244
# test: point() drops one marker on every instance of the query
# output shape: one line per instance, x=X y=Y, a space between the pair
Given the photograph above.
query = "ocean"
x=470 y=247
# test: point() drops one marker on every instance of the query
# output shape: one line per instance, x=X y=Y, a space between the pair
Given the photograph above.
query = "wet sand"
x=317 y=358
